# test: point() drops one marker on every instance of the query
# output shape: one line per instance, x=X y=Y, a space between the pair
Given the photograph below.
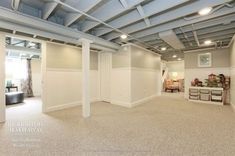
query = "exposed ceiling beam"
x=48 y=9
x=210 y=31
x=112 y=9
x=51 y=36
x=150 y=8
x=222 y=35
x=70 y=18
x=211 y=25
x=15 y=4
x=124 y=3
x=42 y=25
x=142 y=14
x=180 y=23
x=85 y=6
x=171 y=16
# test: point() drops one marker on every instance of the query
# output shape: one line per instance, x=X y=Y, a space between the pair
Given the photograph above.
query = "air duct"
x=170 y=38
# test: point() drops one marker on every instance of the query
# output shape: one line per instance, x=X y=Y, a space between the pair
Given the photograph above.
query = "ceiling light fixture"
x=123 y=36
x=163 y=48
x=174 y=56
x=205 y=11
x=179 y=59
x=207 y=42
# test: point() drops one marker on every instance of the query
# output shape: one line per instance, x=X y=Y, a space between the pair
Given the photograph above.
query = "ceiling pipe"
x=185 y=36
x=15 y=4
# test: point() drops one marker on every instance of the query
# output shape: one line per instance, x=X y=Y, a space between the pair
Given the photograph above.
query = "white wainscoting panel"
x=64 y=88
x=121 y=86
x=145 y=84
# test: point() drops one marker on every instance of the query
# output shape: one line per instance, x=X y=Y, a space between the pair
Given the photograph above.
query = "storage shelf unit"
x=206 y=95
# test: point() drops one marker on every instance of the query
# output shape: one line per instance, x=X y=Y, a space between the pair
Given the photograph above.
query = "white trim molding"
x=67 y=105
x=135 y=103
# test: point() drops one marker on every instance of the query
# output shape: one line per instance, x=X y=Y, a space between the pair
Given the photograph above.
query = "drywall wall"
x=220 y=65
x=136 y=76
x=36 y=77
x=232 y=72
x=220 y=58
x=175 y=70
x=121 y=77
x=64 y=76
x=145 y=75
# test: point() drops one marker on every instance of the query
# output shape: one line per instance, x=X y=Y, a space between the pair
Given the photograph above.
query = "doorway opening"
x=23 y=77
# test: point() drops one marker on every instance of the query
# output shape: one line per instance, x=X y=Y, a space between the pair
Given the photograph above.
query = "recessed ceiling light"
x=174 y=56
x=179 y=59
x=205 y=11
x=207 y=42
x=123 y=36
x=163 y=48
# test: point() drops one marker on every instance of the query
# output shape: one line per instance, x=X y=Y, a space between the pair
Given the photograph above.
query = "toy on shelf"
x=212 y=81
x=196 y=82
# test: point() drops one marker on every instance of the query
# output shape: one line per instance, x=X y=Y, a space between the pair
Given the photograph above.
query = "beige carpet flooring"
x=165 y=126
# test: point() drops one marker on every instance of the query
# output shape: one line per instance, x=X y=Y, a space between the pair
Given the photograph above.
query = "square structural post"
x=2 y=78
x=86 y=110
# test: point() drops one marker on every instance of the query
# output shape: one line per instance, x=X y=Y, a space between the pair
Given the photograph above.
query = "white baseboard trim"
x=63 y=106
x=67 y=105
x=121 y=103
x=144 y=100
x=133 y=104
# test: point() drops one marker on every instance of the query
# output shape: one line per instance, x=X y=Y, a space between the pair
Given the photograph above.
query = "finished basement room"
x=117 y=77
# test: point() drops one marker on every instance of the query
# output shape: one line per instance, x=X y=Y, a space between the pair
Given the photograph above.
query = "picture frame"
x=204 y=60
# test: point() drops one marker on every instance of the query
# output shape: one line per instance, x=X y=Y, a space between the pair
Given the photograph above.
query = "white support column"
x=2 y=78
x=86 y=77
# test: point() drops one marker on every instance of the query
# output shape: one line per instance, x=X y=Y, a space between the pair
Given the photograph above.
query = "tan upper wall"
x=133 y=56
x=232 y=54
x=68 y=57
x=220 y=58
x=141 y=58
x=121 y=58
x=175 y=66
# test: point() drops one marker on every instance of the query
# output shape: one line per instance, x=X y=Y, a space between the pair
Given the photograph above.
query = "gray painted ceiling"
x=141 y=20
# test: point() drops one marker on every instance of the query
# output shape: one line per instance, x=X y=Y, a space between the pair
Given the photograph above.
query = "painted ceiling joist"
x=36 y=23
x=70 y=18
x=204 y=27
x=48 y=9
x=180 y=23
x=124 y=3
x=151 y=8
x=142 y=14
x=107 y=12
x=168 y=17
x=85 y=6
